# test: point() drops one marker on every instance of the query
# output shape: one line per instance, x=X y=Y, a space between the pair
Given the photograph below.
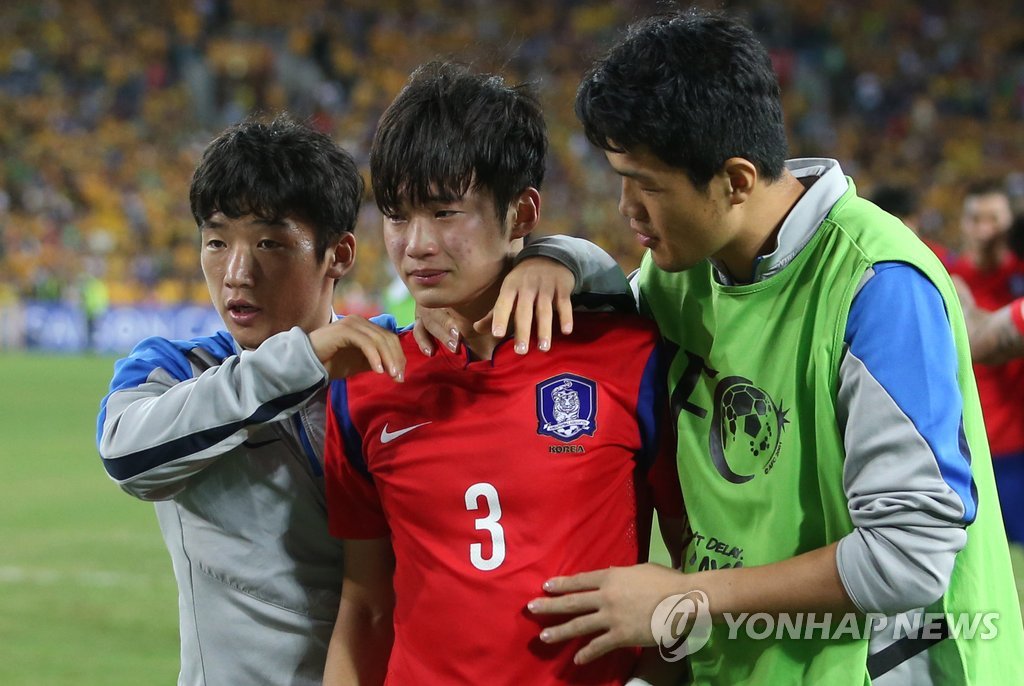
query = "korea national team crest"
x=566 y=407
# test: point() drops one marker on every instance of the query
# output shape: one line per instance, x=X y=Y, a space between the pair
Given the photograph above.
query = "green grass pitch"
x=87 y=596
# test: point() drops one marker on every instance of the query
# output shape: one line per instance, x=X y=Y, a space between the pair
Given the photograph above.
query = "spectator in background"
x=994 y=276
x=107 y=106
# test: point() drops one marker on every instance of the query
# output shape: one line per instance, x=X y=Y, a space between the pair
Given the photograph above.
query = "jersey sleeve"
x=658 y=446
x=907 y=474
x=174 y=408
x=354 y=510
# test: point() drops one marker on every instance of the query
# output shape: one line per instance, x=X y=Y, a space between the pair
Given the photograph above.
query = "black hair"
x=986 y=186
x=693 y=88
x=275 y=170
x=900 y=201
x=450 y=129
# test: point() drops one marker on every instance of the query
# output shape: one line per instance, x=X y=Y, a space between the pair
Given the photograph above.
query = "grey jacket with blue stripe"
x=230 y=448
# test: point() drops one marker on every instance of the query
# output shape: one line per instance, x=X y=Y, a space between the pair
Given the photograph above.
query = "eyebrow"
x=631 y=174
x=642 y=179
x=273 y=223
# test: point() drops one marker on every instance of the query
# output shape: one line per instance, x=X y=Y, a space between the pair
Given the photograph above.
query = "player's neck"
x=481 y=344
x=764 y=214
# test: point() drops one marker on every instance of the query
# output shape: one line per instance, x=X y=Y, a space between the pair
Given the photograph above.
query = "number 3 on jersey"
x=488 y=523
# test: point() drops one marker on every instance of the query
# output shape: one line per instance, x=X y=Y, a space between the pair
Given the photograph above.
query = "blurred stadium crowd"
x=107 y=104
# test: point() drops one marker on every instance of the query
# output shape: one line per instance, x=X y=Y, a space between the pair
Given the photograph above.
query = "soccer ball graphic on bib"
x=746 y=429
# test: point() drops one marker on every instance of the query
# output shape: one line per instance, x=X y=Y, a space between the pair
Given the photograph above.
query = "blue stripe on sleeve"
x=650 y=405
x=899 y=329
x=148 y=355
x=160 y=353
x=221 y=344
x=350 y=437
x=138 y=462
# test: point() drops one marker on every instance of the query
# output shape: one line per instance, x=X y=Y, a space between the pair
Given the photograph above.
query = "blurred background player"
x=996 y=336
x=489 y=471
x=994 y=276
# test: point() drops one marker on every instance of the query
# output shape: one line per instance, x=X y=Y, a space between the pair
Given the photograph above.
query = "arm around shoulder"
x=175 y=408
x=595 y=270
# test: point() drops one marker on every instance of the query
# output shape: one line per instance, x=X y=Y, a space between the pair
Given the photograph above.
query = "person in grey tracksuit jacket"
x=224 y=433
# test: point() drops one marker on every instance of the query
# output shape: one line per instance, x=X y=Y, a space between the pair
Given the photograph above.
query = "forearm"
x=618 y=604
x=157 y=430
x=998 y=337
x=595 y=270
x=995 y=337
x=360 y=646
x=814 y=581
x=806 y=583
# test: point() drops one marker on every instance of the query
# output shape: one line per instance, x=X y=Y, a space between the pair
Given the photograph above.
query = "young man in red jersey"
x=486 y=472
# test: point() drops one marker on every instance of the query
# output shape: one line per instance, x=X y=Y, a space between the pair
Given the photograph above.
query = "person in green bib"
x=831 y=450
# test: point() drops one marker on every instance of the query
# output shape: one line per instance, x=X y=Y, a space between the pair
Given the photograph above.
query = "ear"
x=742 y=176
x=525 y=211
x=341 y=256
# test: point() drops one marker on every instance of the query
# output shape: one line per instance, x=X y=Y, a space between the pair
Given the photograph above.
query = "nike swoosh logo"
x=388 y=436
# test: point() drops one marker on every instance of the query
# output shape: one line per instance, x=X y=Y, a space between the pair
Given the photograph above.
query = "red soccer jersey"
x=493 y=476
x=1000 y=387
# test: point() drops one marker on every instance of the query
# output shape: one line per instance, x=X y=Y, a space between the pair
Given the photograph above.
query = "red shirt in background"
x=1001 y=387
